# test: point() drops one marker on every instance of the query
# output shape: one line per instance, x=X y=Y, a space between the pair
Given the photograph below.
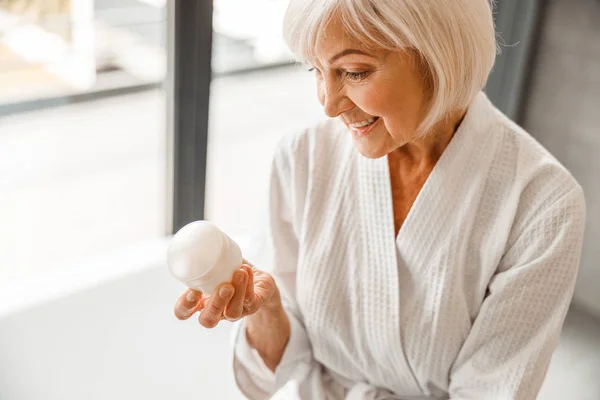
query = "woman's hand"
x=249 y=291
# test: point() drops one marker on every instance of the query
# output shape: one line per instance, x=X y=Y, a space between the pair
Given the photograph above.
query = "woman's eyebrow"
x=348 y=52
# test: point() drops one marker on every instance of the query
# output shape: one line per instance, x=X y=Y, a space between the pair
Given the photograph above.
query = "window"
x=86 y=166
x=80 y=179
x=249 y=111
x=247 y=35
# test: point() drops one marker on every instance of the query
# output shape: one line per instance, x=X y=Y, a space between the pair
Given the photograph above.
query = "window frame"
x=188 y=86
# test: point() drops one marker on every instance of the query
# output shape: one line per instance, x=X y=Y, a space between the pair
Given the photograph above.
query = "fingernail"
x=182 y=312
x=225 y=292
x=239 y=277
x=192 y=297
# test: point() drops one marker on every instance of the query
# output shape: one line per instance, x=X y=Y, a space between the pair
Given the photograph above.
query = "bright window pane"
x=247 y=34
x=80 y=181
x=52 y=48
x=250 y=112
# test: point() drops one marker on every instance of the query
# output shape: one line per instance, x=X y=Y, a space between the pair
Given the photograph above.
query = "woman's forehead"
x=336 y=38
x=329 y=50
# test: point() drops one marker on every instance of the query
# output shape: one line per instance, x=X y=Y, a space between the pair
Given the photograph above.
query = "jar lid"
x=194 y=250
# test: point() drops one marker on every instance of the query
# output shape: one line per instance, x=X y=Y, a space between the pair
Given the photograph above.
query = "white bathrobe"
x=466 y=302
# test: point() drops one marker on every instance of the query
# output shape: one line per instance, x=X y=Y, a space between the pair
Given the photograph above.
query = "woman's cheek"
x=370 y=101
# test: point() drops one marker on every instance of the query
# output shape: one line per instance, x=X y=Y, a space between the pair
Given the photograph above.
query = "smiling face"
x=382 y=96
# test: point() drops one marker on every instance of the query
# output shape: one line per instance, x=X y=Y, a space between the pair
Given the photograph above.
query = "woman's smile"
x=365 y=127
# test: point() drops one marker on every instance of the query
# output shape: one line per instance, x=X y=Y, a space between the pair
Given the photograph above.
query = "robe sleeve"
x=275 y=250
x=508 y=351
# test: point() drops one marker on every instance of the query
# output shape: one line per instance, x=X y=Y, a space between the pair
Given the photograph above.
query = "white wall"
x=115 y=341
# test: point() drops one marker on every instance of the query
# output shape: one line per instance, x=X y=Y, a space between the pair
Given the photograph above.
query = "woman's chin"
x=370 y=150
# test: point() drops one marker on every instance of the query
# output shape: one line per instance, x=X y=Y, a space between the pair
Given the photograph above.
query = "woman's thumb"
x=188 y=303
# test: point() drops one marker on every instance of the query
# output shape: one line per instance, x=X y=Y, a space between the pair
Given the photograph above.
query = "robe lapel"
x=379 y=272
x=454 y=180
x=387 y=258
x=435 y=231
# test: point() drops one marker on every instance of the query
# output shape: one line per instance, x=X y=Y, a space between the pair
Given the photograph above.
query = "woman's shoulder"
x=539 y=180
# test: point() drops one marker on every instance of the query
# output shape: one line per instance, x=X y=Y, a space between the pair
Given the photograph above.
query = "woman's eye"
x=356 y=76
x=313 y=69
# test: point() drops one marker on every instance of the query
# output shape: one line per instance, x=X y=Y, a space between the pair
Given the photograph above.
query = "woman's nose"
x=333 y=99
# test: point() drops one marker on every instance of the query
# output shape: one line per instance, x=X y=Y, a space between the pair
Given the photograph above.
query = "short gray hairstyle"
x=455 y=38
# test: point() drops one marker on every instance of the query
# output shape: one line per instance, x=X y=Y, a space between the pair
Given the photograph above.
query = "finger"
x=249 y=284
x=202 y=303
x=187 y=304
x=213 y=310
x=264 y=285
x=253 y=304
x=234 y=309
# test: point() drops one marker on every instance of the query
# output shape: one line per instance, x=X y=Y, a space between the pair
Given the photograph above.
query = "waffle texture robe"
x=466 y=302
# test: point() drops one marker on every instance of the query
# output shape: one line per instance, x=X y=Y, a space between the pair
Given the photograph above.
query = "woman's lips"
x=365 y=130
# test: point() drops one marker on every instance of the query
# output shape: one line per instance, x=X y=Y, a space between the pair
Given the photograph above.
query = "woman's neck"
x=423 y=153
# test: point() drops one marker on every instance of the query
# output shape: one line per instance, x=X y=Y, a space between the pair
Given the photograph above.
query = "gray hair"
x=455 y=38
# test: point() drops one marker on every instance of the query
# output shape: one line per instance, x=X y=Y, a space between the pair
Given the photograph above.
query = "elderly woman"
x=419 y=245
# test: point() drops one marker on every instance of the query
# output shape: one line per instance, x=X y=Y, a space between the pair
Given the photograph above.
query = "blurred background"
x=122 y=120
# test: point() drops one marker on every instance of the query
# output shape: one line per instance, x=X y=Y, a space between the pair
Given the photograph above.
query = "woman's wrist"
x=268 y=331
x=273 y=304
